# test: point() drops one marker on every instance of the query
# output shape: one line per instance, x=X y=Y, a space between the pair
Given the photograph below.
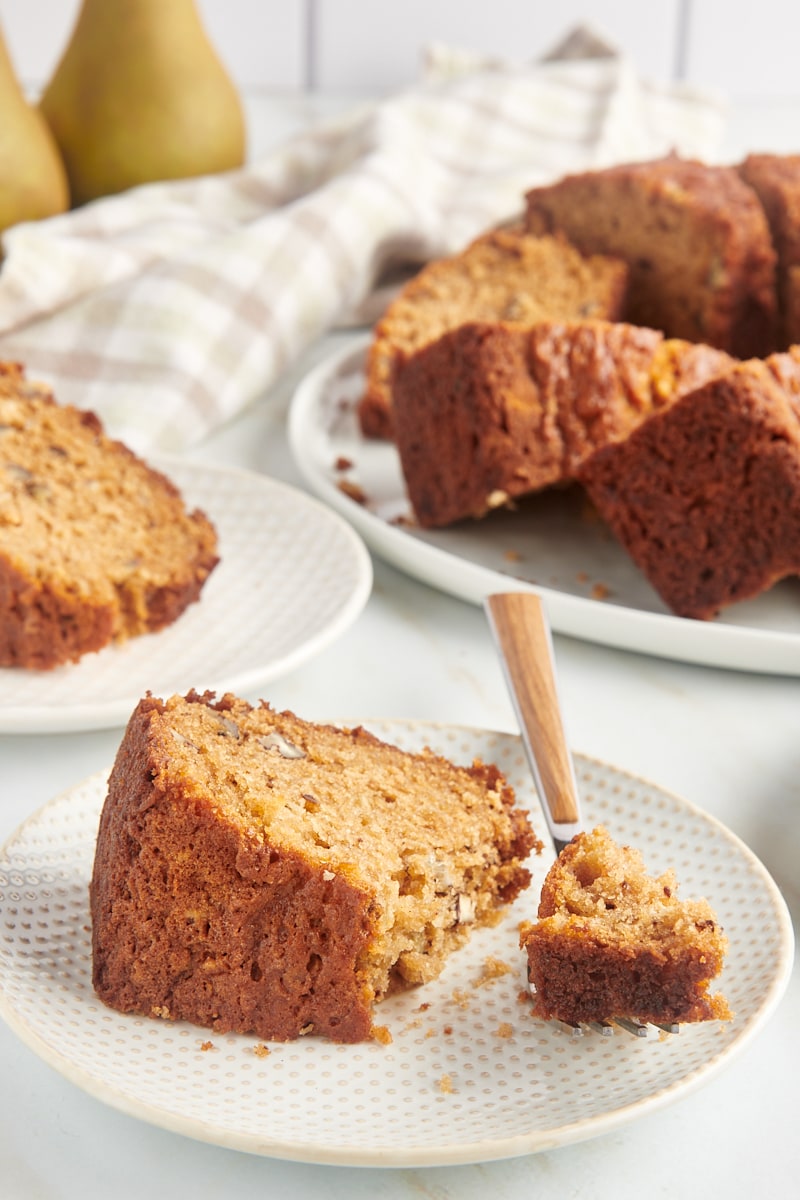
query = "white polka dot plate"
x=470 y=1075
x=550 y=542
x=293 y=575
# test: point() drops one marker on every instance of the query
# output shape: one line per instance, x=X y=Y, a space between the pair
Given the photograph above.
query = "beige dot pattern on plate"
x=447 y=1088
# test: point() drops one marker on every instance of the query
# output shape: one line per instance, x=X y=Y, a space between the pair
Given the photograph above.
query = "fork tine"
x=637 y=1028
x=606 y=1028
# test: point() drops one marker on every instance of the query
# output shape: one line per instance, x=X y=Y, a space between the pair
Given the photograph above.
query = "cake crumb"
x=512 y=556
x=206 y=1046
x=601 y=591
x=261 y=1051
x=589 y=513
x=382 y=1034
x=504 y=1030
x=460 y=998
x=353 y=490
x=523 y=997
x=343 y=463
x=493 y=968
x=446 y=1085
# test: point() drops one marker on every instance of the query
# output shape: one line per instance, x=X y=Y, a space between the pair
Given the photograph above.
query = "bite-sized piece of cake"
x=261 y=874
x=705 y=495
x=95 y=545
x=491 y=412
x=611 y=941
x=695 y=238
x=506 y=275
x=776 y=180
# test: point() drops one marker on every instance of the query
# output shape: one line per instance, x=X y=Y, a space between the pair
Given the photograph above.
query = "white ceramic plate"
x=591 y=588
x=470 y=1074
x=292 y=577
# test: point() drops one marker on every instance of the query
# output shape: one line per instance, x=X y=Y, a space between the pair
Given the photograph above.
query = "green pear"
x=140 y=95
x=33 y=182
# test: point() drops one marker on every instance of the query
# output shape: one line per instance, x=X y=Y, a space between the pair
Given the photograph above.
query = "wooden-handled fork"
x=522 y=635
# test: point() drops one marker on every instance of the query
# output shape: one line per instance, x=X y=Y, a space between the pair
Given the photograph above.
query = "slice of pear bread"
x=493 y=411
x=95 y=545
x=504 y=275
x=612 y=941
x=694 y=237
x=258 y=873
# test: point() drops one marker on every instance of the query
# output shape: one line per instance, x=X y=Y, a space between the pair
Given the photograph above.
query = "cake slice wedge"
x=505 y=275
x=705 y=494
x=262 y=874
x=613 y=942
x=775 y=178
x=493 y=411
x=96 y=546
x=694 y=237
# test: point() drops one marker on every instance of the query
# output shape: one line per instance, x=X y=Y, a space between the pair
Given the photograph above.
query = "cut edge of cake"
x=503 y=275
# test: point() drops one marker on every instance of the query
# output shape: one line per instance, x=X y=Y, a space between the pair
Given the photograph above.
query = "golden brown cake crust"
x=95 y=545
x=490 y=412
x=42 y=627
x=694 y=236
x=705 y=495
x=506 y=276
x=261 y=874
x=485 y=413
x=612 y=941
x=183 y=927
x=775 y=178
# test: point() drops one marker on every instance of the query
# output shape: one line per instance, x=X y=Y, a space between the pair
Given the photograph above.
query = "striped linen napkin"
x=170 y=308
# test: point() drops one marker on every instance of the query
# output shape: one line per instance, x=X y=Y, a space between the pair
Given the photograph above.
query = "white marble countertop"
x=726 y=741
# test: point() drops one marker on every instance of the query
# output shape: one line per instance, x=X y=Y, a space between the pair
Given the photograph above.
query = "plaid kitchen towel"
x=169 y=308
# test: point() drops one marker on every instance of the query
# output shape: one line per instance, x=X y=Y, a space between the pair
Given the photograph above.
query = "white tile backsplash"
x=748 y=49
x=378 y=46
x=35 y=32
x=262 y=42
